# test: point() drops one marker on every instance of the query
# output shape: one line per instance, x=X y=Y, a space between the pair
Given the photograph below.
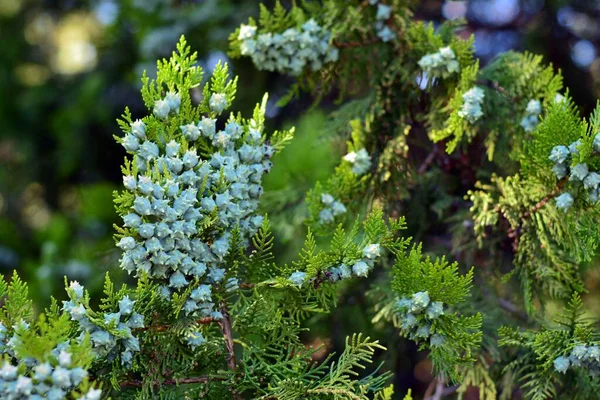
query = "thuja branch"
x=247 y=285
x=162 y=328
x=504 y=304
x=491 y=84
x=428 y=160
x=440 y=385
x=513 y=233
x=353 y=44
x=546 y=199
x=511 y=308
x=225 y=324
x=181 y=381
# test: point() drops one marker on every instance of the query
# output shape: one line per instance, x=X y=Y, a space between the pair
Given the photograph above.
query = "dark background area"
x=69 y=68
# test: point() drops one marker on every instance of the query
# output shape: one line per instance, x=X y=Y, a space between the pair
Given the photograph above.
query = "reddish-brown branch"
x=353 y=44
x=428 y=160
x=182 y=381
x=514 y=233
x=546 y=199
x=162 y=328
x=441 y=390
x=247 y=285
x=511 y=308
x=430 y=389
x=225 y=324
x=492 y=84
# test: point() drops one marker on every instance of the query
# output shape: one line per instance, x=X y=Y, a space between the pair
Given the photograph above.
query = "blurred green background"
x=69 y=68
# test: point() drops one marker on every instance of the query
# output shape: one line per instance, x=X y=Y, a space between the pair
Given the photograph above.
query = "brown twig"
x=247 y=285
x=428 y=160
x=162 y=328
x=546 y=199
x=513 y=233
x=440 y=385
x=511 y=308
x=429 y=390
x=225 y=324
x=352 y=44
x=492 y=84
x=182 y=381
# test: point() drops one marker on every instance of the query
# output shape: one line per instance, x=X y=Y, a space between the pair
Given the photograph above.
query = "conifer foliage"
x=211 y=315
x=496 y=158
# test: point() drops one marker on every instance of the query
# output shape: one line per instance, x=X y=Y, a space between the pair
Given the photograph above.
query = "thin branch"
x=513 y=233
x=492 y=84
x=428 y=160
x=546 y=199
x=182 y=381
x=353 y=44
x=511 y=308
x=162 y=328
x=439 y=389
x=225 y=324
x=247 y=285
x=429 y=390
x=504 y=304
